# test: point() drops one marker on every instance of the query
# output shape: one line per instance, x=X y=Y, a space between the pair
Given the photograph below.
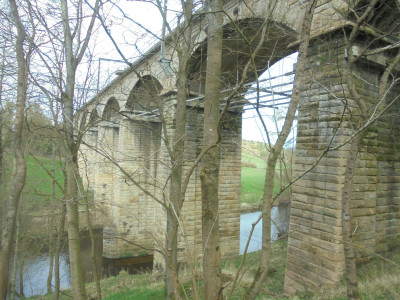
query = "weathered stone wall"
x=229 y=191
x=105 y=176
x=315 y=250
x=133 y=208
x=133 y=164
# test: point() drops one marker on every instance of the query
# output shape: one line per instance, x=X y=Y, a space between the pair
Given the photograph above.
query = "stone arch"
x=144 y=96
x=236 y=53
x=111 y=110
x=94 y=117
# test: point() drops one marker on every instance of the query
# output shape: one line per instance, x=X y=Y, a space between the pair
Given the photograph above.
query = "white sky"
x=252 y=126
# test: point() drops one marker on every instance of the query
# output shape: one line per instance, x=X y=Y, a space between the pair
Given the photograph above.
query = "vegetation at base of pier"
x=379 y=279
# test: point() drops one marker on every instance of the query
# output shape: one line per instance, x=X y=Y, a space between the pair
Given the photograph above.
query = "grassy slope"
x=38 y=185
x=379 y=279
x=38 y=182
x=253 y=179
x=36 y=195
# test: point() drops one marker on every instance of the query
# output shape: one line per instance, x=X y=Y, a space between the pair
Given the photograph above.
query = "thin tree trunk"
x=210 y=163
x=350 y=259
x=171 y=260
x=93 y=251
x=275 y=152
x=20 y=165
x=1 y=121
x=59 y=246
x=77 y=281
x=21 y=266
x=51 y=230
x=51 y=257
x=73 y=56
x=16 y=259
x=176 y=196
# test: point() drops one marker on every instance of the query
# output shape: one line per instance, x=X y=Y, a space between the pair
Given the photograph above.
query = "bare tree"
x=210 y=162
x=62 y=65
x=20 y=166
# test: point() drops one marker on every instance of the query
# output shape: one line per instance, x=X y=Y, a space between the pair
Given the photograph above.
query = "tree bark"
x=73 y=58
x=176 y=195
x=209 y=174
x=59 y=245
x=2 y=74
x=77 y=282
x=350 y=259
x=93 y=251
x=20 y=165
x=16 y=259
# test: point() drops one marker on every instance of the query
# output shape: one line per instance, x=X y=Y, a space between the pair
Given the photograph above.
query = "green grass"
x=252 y=185
x=37 y=180
x=139 y=294
x=260 y=163
x=253 y=180
x=378 y=279
x=273 y=286
x=38 y=185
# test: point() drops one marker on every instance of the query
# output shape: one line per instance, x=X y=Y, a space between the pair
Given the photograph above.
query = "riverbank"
x=379 y=279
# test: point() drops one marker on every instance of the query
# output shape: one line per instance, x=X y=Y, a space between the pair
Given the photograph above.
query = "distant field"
x=253 y=179
x=260 y=163
x=252 y=184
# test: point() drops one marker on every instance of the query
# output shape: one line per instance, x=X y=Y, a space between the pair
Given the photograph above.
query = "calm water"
x=246 y=221
x=36 y=269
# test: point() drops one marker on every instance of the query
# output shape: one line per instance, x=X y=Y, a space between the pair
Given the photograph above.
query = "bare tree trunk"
x=1 y=119
x=20 y=165
x=350 y=259
x=21 y=265
x=77 y=282
x=210 y=163
x=51 y=255
x=59 y=245
x=16 y=259
x=51 y=230
x=275 y=152
x=93 y=251
x=73 y=56
x=176 y=194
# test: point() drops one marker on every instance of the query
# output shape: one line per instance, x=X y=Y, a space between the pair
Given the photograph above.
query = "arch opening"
x=145 y=95
x=111 y=110
x=236 y=53
x=94 y=117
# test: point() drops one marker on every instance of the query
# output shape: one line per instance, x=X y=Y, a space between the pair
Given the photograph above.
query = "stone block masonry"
x=315 y=250
x=131 y=171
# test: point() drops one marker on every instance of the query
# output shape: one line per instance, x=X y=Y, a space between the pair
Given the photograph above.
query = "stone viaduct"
x=125 y=162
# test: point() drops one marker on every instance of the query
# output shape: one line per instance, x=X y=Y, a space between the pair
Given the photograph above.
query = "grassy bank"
x=379 y=279
x=253 y=177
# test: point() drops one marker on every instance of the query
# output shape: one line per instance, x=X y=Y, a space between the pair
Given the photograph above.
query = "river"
x=36 y=269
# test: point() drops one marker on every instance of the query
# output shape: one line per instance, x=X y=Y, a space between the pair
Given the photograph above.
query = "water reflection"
x=36 y=271
x=280 y=218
